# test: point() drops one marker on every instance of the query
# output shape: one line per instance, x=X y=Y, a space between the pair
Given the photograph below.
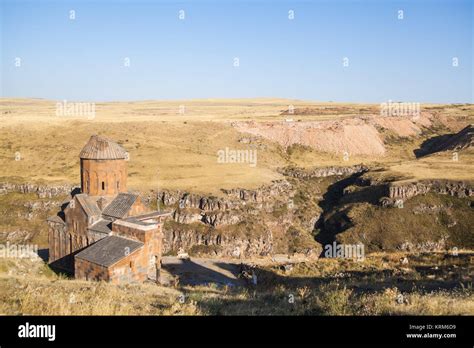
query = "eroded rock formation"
x=216 y=243
x=452 y=188
x=323 y=172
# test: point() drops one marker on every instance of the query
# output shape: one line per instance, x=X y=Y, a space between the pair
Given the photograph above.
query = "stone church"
x=104 y=232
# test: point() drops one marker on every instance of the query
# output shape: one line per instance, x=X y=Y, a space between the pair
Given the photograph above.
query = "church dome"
x=101 y=148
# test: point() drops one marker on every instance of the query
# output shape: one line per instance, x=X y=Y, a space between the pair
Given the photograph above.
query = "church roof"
x=88 y=204
x=101 y=148
x=120 y=206
x=56 y=219
x=101 y=226
x=109 y=250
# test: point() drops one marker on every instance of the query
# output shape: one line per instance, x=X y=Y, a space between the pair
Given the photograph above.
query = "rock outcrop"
x=221 y=218
x=216 y=243
x=43 y=191
x=323 y=172
x=228 y=210
x=452 y=188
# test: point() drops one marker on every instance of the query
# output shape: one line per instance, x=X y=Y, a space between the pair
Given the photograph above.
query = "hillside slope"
x=326 y=287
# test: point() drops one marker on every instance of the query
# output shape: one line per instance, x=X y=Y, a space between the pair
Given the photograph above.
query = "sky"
x=345 y=51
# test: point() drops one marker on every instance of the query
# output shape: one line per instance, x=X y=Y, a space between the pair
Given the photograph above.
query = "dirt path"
x=198 y=271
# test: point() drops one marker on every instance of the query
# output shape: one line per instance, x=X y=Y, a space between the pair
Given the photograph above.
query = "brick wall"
x=131 y=269
x=86 y=270
x=113 y=173
x=153 y=240
x=137 y=208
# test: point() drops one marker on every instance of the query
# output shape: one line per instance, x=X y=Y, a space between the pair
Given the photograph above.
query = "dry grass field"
x=379 y=285
x=440 y=165
x=174 y=144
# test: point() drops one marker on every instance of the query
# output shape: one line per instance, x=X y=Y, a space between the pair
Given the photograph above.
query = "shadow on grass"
x=331 y=223
x=339 y=291
x=432 y=145
x=331 y=295
x=192 y=273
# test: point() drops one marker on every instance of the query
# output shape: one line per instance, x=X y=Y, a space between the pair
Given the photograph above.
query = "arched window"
x=103 y=185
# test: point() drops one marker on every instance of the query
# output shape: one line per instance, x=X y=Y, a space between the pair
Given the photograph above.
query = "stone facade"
x=90 y=271
x=133 y=268
x=103 y=177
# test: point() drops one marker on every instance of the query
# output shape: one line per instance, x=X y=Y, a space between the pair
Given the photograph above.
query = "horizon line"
x=233 y=99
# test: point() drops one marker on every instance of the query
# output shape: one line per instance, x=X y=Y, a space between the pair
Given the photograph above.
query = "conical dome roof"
x=101 y=148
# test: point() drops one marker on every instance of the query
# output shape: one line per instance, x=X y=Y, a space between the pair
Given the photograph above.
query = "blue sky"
x=389 y=59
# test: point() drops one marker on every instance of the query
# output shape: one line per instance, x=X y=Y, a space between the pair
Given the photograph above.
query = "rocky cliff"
x=214 y=242
x=43 y=191
x=322 y=172
x=446 y=187
x=227 y=210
